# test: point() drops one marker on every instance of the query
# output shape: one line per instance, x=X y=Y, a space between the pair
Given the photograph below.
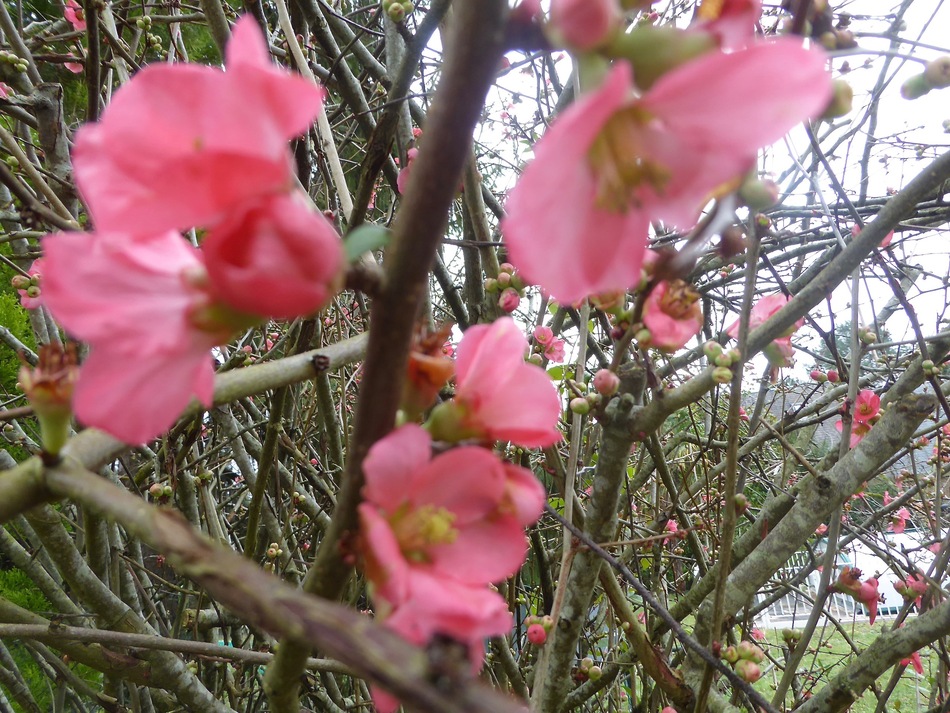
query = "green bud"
x=580 y=406
x=656 y=50
x=915 y=87
x=842 y=100
x=722 y=375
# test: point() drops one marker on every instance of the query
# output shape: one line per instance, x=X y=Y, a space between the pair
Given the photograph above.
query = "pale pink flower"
x=762 y=311
x=887 y=499
x=278 y=258
x=673 y=315
x=74 y=12
x=555 y=351
x=584 y=24
x=498 y=395
x=4 y=90
x=849 y=582
x=612 y=163
x=149 y=325
x=183 y=144
x=543 y=335
x=821 y=530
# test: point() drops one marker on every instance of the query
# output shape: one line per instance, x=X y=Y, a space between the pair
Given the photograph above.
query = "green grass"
x=829 y=653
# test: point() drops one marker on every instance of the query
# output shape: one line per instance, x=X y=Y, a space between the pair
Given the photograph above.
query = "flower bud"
x=606 y=382
x=712 y=349
x=730 y=654
x=537 y=634
x=585 y=24
x=509 y=300
x=749 y=651
x=741 y=503
x=49 y=389
x=586 y=663
x=504 y=279
x=915 y=87
x=748 y=670
x=818 y=375
x=491 y=285
x=722 y=375
x=723 y=360
x=937 y=73
x=842 y=99
x=758 y=194
x=594 y=672
x=580 y=406
x=20 y=282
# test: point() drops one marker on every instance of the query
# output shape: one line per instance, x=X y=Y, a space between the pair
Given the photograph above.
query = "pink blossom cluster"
x=185 y=146
x=552 y=347
x=639 y=149
x=437 y=531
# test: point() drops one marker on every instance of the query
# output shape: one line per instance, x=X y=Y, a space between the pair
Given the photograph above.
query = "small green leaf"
x=363 y=239
x=556 y=372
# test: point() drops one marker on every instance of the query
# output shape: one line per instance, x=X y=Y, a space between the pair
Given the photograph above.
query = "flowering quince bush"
x=540 y=367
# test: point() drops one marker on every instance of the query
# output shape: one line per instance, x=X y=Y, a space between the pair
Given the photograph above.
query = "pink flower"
x=885 y=242
x=277 y=258
x=498 y=396
x=673 y=315
x=4 y=90
x=180 y=146
x=866 y=406
x=899 y=521
x=780 y=353
x=460 y=515
x=76 y=15
x=758 y=634
x=74 y=67
x=887 y=499
x=555 y=351
x=436 y=531
x=543 y=335
x=821 y=530
x=585 y=24
x=612 y=163
x=149 y=325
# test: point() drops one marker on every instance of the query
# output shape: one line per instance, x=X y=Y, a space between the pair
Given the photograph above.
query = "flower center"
x=680 y=301
x=420 y=528
x=618 y=161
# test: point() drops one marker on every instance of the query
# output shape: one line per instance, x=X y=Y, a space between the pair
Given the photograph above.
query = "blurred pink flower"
x=866 y=592
x=149 y=323
x=858 y=431
x=673 y=315
x=179 y=146
x=614 y=162
x=732 y=21
x=761 y=312
x=76 y=15
x=498 y=395
x=584 y=24
x=278 y=258
x=402 y=178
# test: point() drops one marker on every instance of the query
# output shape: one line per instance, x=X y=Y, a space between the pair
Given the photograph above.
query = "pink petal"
x=525 y=496
x=743 y=101
x=490 y=550
x=468 y=481
x=135 y=396
x=384 y=563
x=276 y=259
x=391 y=463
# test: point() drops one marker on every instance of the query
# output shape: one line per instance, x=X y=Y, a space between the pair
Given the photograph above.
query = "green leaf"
x=556 y=372
x=363 y=239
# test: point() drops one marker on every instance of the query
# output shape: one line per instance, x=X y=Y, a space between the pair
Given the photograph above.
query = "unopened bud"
x=722 y=375
x=937 y=73
x=606 y=382
x=916 y=87
x=842 y=100
x=580 y=406
x=741 y=503
x=20 y=282
x=537 y=634
x=509 y=300
x=748 y=670
x=758 y=194
x=712 y=349
x=832 y=376
x=818 y=375
x=491 y=285
x=594 y=672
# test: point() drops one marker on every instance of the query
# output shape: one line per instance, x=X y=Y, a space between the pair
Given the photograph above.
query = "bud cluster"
x=587 y=670
x=936 y=75
x=397 y=10
x=538 y=628
x=509 y=284
x=722 y=360
x=745 y=659
x=18 y=63
x=161 y=493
